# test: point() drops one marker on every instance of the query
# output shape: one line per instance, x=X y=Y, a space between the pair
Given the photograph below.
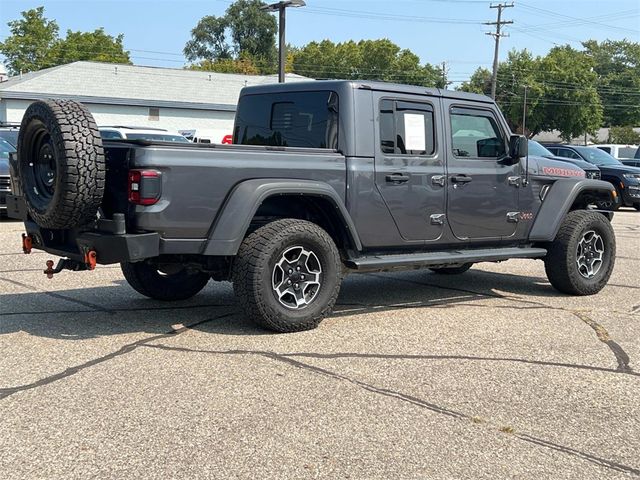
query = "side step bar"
x=442 y=259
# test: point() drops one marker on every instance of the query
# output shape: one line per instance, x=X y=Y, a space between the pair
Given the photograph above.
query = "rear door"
x=409 y=164
x=482 y=187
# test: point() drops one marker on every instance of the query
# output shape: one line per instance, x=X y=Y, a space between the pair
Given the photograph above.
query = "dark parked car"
x=590 y=170
x=5 y=181
x=9 y=132
x=625 y=179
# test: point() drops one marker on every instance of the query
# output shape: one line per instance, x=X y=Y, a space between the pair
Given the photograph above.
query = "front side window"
x=290 y=119
x=563 y=152
x=406 y=128
x=475 y=134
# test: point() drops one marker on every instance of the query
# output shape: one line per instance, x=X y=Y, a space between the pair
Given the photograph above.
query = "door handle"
x=397 y=178
x=461 y=178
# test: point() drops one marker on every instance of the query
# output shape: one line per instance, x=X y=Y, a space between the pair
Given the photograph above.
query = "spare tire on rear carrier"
x=61 y=164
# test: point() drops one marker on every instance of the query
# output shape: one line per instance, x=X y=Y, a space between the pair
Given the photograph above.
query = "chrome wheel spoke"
x=589 y=254
x=297 y=277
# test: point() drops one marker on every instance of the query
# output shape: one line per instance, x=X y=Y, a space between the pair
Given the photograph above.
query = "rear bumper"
x=110 y=248
x=109 y=239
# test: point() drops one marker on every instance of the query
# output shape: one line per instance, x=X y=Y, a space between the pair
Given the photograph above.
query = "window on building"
x=154 y=114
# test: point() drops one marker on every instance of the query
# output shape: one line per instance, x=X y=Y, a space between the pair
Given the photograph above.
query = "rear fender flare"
x=232 y=223
x=558 y=202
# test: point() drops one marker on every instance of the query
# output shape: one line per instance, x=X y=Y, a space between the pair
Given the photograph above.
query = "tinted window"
x=10 y=136
x=476 y=135
x=406 y=128
x=596 y=156
x=161 y=137
x=563 y=152
x=626 y=152
x=110 y=135
x=605 y=149
x=293 y=119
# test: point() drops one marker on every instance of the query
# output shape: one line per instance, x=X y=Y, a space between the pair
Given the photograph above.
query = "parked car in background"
x=120 y=132
x=9 y=133
x=200 y=135
x=633 y=162
x=590 y=170
x=619 y=151
x=5 y=180
x=625 y=179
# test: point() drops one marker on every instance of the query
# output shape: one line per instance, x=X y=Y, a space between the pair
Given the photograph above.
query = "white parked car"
x=619 y=151
x=119 y=132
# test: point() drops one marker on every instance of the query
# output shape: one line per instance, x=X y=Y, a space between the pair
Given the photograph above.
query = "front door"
x=482 y=185
x=409 y=166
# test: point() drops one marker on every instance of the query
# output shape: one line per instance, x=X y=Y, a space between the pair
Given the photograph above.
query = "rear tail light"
x=227 y=140
x=145 y=186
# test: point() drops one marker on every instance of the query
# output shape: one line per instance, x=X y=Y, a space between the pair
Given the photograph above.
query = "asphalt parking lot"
x=491 y=374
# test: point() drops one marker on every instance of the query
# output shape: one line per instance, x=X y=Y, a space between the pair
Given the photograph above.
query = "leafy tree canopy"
x=244 y=33
x=34 y=44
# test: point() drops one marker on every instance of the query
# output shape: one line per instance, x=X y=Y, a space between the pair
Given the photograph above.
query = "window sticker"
x=414 y=131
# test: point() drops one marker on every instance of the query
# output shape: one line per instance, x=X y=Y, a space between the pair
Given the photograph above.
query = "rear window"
x=626 y=152
x=291 y=119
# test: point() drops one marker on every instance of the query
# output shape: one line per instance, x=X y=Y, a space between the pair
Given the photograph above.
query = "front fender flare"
x=232 y=223
x=557 y=203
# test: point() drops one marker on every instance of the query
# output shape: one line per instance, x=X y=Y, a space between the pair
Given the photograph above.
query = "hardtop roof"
x=363 y=84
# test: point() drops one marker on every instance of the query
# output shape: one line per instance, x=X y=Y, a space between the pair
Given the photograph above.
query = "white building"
x=174 y=99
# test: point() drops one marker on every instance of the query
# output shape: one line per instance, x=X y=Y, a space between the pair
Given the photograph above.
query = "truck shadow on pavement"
x=78 y=314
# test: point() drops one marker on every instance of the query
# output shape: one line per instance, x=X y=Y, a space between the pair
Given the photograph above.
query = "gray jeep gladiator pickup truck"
x=324 y=178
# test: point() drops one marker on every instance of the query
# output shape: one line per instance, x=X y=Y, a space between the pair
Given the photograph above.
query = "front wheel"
x=581 y=258
x=287 y=275
x=168 y=282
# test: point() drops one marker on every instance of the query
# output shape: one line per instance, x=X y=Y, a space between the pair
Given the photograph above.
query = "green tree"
x=91 y=46
x=617 y=64
x=34 y=44
x=624 y=135
x=27 y=48
x=244 y=33
x=365 y=60
x=480 y=82
x=572 y=103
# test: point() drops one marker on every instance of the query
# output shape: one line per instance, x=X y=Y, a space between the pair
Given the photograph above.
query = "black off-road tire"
x=147 y=280
x=452 y=270
x=61 y=164
x=561 y=260
x=253 y=272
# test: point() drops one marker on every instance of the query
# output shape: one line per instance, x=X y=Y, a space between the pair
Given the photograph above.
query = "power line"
x=497 y=35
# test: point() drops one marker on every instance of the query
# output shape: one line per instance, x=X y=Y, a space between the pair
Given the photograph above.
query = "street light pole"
x=280 y=7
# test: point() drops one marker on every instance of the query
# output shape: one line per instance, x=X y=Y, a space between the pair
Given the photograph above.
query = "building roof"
x=94 y=82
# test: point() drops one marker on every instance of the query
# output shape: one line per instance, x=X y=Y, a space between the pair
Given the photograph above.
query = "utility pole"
x=497 y=34
x=445 y=83
x=280 y=7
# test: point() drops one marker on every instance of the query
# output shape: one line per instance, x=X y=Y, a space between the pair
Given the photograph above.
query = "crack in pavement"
x=622 y=358
x=413 y=400
x=125 y=349
x=603 y=335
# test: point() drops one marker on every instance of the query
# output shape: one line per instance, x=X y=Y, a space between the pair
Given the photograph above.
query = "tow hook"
x=90 y=260
x=27 y=243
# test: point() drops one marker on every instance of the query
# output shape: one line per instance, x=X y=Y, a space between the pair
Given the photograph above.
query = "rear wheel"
x=164 y=282
x=452 y=270
x=61 y=164
x=287 y=275
x=581 y=258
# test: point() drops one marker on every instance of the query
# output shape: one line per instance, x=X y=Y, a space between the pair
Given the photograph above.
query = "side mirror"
x=518 y=146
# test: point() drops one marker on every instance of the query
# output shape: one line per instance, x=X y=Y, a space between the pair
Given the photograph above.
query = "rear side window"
x=605 y=149
x=293 y=119
x=406 y=128
x=475 y=134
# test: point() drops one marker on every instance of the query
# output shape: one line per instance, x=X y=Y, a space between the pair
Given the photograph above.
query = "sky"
x=451 y=31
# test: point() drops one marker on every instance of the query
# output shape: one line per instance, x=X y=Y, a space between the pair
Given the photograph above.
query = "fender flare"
x=557 y=203
x=233 y=221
